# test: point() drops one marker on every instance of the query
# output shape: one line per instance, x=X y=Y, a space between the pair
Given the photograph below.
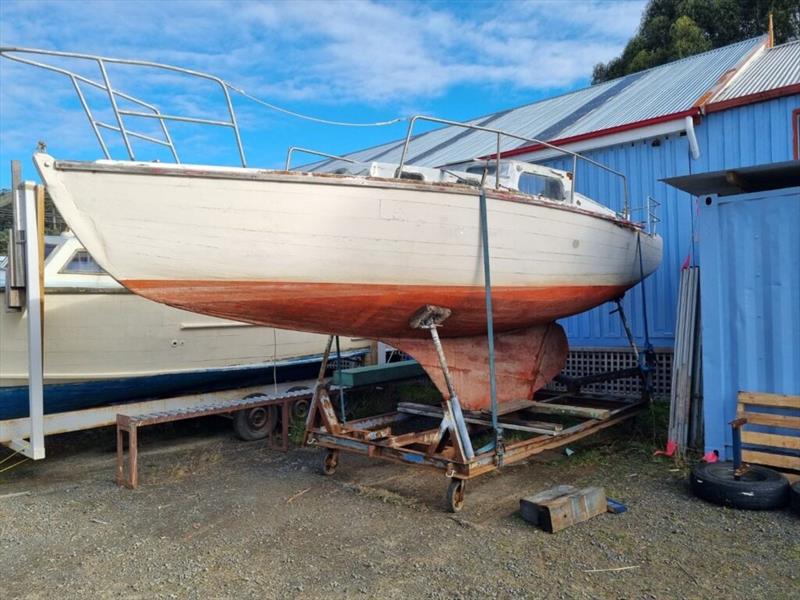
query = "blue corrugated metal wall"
x=750 y=302
x=742 y=136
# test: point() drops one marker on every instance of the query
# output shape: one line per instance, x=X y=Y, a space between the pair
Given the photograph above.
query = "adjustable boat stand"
x=439 y=436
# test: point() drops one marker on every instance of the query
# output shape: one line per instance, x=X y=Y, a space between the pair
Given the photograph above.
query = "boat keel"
x=525 y=361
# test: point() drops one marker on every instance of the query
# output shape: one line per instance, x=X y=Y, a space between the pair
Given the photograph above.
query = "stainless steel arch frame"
x=114 y=94
x=500 y=134
x=12 y=53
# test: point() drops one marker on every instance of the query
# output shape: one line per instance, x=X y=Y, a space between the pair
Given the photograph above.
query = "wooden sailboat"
x=358 y=255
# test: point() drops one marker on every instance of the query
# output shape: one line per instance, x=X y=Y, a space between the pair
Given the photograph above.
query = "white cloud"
x=389 y=55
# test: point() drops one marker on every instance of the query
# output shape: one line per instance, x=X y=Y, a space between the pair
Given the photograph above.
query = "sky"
x=359 y=61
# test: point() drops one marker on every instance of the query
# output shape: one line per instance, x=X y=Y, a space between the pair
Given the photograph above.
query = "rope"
x=13 y=454
x=298 y=115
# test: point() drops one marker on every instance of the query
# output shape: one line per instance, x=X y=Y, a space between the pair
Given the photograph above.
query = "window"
x=541 y=185
x=82 y=263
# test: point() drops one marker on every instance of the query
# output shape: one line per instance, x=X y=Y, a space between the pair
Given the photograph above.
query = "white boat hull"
x=334 y=254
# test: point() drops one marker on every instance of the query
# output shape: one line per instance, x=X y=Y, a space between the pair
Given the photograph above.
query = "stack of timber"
x=686 y=413
x=770 y=430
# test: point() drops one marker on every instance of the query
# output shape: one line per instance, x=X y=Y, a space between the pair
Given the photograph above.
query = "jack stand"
x=431 y=317
x=645 y=364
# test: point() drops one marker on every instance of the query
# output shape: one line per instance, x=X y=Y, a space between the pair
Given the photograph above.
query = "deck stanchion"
x=487 y=282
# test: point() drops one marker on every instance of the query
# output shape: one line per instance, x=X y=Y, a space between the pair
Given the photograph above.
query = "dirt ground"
x=220 y=518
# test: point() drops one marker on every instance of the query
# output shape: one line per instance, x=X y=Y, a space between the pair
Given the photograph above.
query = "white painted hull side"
x=144 y=225
x=148 y=223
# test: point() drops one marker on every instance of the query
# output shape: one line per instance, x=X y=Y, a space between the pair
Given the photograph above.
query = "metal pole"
x=487 y=282
x=115 y=108
x=574 y=179
x=89 y=116
x=497 y=165
x=34 y=297
x=736 y=434
x=405 y=145
x=233 y=120
x=458 y=416
x=339 y=375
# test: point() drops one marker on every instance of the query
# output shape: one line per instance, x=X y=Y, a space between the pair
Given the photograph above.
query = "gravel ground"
x=215 y=517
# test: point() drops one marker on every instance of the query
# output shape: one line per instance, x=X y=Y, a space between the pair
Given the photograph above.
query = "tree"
x=674 y=29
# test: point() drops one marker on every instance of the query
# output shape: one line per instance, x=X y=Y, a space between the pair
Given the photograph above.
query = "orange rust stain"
x=525 y=361
x=375 y=311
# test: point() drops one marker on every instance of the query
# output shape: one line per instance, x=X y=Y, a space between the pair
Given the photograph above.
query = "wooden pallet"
x=781 y=451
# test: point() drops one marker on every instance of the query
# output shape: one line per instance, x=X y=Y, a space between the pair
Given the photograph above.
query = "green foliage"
x=674 y=29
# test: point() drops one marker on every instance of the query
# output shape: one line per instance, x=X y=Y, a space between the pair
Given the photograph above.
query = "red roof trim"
x=786 y=90
x=603 y=132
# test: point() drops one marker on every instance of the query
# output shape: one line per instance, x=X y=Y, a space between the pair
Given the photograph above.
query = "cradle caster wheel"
x=331 y=462
x=455 y=494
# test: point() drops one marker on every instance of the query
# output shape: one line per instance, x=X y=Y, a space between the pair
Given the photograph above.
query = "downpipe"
x=694 y=147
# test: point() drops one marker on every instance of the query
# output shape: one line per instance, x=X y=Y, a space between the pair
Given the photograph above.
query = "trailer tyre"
x=795 y=494
x=255 y=423
x=759 y=488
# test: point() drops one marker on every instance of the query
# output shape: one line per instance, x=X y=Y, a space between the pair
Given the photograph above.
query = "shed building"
x=748 y=231
x=731 y=107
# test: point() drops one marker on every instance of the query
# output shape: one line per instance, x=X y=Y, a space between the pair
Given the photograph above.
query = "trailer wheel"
x=255 y=423
x=331 y=462
x=300 y=409
x=795 y=493
x=456 y=492
x=759 y=488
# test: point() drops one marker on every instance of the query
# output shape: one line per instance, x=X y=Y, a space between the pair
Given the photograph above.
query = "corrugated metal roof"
x=775 y=68
x=656 y=92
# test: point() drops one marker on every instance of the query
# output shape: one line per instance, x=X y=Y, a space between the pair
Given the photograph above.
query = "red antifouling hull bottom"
x=376 y=311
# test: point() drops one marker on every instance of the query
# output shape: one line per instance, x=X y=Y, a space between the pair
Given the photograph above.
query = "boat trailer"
x=440 y=437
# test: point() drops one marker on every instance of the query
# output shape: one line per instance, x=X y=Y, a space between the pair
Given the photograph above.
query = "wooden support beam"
x=788 y=442
x=771 y=420
x=406 y=439
x=569 y=410
x=777 y=400
x=368 y=434
x=558 y=508
x=774 y=460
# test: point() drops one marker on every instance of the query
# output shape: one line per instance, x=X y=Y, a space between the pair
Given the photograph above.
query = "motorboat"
x=105 y=345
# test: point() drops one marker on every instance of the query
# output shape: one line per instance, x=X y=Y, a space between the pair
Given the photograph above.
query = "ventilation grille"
x=590 y=361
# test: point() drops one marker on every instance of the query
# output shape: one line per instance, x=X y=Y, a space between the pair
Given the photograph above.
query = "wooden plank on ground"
x=772 y=460
x=777 y=400
x=508 y=407
x=771 y=420
x=774 y=440
x=368 y=435
x=558 y=508
x=569 y=410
